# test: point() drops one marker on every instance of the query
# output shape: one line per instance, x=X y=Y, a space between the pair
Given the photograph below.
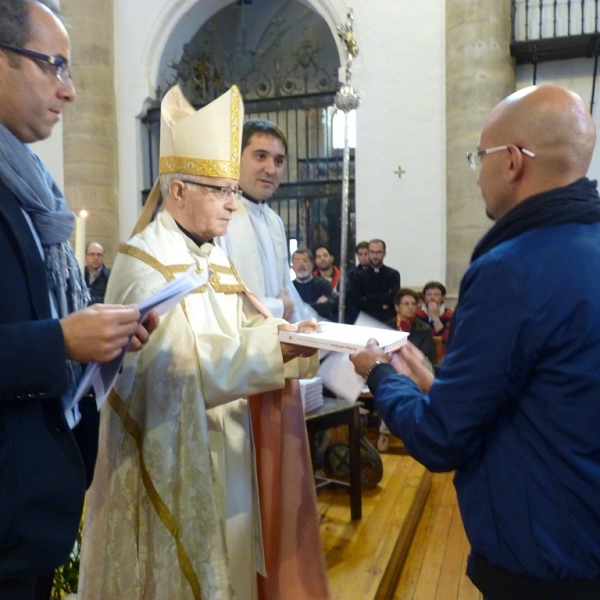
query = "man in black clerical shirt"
x=372 y=290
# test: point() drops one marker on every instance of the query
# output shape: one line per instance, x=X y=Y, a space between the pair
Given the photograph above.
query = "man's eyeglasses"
x=220 y=192
x=60 y=66
x=474 y=158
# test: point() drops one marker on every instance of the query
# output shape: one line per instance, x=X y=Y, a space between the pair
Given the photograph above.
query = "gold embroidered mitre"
x=205 y=142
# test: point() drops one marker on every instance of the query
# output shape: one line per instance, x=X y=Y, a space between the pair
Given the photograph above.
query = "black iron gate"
x=309 y=199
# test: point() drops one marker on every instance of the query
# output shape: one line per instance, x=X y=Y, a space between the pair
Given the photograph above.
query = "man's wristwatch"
x=377 y=362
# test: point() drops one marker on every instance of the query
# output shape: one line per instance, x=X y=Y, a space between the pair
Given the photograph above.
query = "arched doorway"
x=285 y=60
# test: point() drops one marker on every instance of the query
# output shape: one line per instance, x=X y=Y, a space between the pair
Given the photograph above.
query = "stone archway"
x=268 y=48
x=279 y=51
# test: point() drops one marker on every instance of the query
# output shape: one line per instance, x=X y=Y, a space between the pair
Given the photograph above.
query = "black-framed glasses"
x=474 y=158
x=220 y=192
x=60 y=66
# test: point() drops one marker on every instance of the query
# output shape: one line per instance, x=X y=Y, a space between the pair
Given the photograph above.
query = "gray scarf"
x=40 y=197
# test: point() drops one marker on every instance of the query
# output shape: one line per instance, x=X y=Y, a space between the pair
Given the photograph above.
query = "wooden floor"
x=410 y=543
x=436 y=562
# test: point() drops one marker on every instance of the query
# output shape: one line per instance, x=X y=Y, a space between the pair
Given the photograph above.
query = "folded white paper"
x=101 y=376
x=340 y=377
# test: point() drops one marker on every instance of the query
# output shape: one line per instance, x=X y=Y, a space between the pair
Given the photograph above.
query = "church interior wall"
x=401 y=123
x=400 y=70
x=575 y=74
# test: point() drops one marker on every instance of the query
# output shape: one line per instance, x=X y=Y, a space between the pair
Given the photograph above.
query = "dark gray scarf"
x=574 y=203
x=40 y=197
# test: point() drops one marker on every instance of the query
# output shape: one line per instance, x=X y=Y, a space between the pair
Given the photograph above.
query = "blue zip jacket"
x=515 y=408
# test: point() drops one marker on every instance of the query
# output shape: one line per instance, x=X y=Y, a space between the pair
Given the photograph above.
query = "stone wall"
x=479 y=73
x=90 y=137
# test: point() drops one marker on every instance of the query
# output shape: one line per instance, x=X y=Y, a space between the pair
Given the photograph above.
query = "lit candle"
x=80 y=238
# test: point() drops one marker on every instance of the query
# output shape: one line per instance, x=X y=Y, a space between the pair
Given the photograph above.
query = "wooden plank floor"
x=362 y=556
x=406 y=535
x=437 y=560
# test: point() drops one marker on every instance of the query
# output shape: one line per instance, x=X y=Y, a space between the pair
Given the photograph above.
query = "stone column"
x=479 y=73
x=90 y=125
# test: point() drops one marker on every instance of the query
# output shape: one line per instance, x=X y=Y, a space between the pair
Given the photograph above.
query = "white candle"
x=80 y=238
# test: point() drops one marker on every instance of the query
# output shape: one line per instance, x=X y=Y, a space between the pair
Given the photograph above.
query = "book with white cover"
x=340 y=337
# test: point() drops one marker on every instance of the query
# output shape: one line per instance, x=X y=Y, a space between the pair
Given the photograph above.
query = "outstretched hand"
x=291 y=351
x=364 y=360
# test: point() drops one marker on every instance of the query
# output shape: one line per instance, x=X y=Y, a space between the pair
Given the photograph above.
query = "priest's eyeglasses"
x=61 y=69
x=474 y=158
x=220 y=192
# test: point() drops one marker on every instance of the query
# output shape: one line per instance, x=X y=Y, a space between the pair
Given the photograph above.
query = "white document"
x=101 y=376
x=340 y=337
x=338 y=372
x=365 y=320
x=339 y=376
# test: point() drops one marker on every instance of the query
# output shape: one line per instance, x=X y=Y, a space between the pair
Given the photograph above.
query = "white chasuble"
x=294 y=557
x=173 y=510
x=256 y=244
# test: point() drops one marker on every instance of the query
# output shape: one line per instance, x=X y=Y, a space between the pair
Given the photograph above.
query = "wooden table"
x=334 y=413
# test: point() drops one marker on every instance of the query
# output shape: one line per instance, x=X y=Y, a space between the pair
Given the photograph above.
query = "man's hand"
x=321 y=299
x=291 y=351
x=302 y=326
x=99 y=332
x=409 y=360
x=288 y=305
x=364 y=360
x=143 y=331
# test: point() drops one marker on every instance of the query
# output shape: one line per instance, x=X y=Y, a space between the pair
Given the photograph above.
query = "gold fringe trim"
x=235 y=125
x=199 y=166
x=167 y=272
x=212 y=168
x=215 y=280
x=162 y=510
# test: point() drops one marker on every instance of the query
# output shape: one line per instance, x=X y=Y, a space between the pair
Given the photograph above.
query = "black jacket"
x=42 y=471
x=373 y=291
x=420 y=335
x=98 y=288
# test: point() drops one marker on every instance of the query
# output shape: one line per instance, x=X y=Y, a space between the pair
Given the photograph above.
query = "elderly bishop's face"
x=206 y=211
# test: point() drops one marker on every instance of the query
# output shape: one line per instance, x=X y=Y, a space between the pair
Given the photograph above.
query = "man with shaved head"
x=515 y=407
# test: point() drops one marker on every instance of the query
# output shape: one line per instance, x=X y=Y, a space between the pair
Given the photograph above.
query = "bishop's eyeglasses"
x=220 y=192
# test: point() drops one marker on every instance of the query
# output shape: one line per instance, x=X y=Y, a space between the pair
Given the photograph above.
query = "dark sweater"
x=312 y=290
x=420 y=335
x=97 y=289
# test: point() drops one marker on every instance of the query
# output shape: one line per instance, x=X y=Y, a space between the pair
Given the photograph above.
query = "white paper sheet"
x=101 y=376
x=339 y=376
x=338 y=372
